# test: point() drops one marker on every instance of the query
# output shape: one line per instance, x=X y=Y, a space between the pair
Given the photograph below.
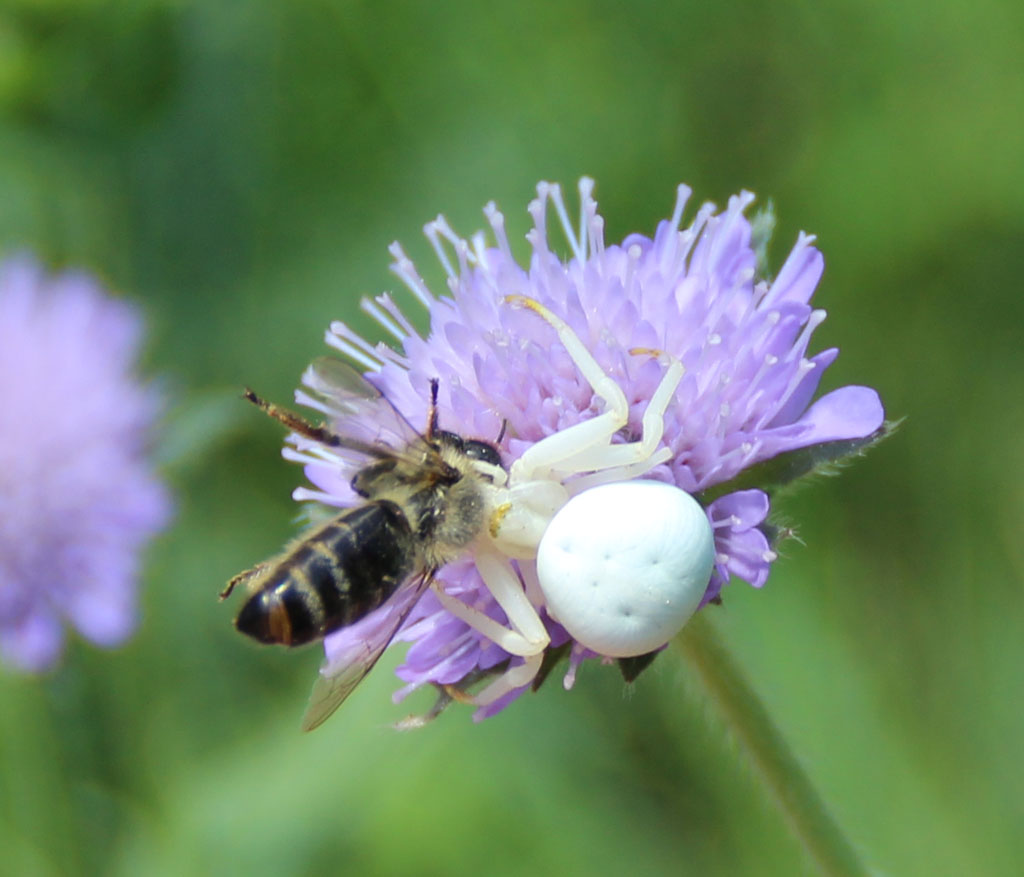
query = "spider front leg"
x=525 y=636
x=625 y=462
x=548 y=455
x=587 y=446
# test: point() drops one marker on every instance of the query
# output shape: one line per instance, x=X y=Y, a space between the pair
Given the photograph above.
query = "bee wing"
x=339 y=676
x=343 y=392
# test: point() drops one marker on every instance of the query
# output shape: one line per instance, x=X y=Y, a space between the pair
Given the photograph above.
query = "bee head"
x=483 y=451
x=471 y=448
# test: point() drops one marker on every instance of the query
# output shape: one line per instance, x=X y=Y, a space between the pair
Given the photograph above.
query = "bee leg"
x=458 y=692
x=517 y=676
x=449 y=694
x=459 y=695
x=243 y=576
x=411 y=723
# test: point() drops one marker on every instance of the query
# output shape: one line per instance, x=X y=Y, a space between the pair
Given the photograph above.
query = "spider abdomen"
x=624 y=565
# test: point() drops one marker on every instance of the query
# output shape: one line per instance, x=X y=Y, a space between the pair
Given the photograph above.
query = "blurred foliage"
x=239 y=168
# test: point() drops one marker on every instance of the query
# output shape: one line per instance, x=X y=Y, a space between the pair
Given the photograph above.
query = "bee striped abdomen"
x=338 y=574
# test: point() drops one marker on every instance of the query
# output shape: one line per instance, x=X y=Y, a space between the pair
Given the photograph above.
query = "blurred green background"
x=239 y=169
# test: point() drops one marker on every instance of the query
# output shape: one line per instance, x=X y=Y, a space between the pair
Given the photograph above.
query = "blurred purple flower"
x=78 y=498
x=692 y=292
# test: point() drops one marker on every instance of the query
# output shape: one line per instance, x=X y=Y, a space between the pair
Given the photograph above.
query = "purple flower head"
x=691 y=293
x=78 y=499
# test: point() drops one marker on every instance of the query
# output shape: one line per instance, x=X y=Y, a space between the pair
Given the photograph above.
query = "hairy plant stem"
x=777 y=766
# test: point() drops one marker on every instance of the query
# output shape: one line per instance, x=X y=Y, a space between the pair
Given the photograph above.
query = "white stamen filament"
x=747 y=300
x=465 y=257
x=816 y=318
x=537 y=236
x=575 y=659
x=745 y=450
x=597 y=235
x=764 y=330
x=553 y=192
x=386 y=302
x=733 y=215
x=433 y=231
x=683 y=193
x=306 y=401
x=389 y=354
x=587 y=207
x=478 y=243
x=591 y=225
x=312 y=456
x=707 y=375
x=723 y=298
x=405 y=269
x=760 y=291
x=353 y=353
x=306 y=494
x=688 y=240
x=633 y=255
x=497 y=222
x=755 y=384
x=799 y=373
x=371 y=308
x=729 y=521
x=343 y=338
x=791 y=267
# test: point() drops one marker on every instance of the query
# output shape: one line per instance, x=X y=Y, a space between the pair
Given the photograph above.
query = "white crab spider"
x=621 y=564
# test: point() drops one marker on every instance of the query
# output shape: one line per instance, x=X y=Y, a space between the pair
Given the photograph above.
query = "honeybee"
x=423 y=503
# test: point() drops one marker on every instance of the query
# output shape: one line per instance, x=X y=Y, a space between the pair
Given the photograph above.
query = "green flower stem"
x=748 y=720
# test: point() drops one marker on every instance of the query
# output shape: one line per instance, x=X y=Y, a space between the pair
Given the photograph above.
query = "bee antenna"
x=432 y=413
x=296 y=423
x=501 y=433
x=258 y=401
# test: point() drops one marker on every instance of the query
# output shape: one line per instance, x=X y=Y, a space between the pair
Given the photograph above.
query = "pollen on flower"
x=692 y=293
x=78 y=497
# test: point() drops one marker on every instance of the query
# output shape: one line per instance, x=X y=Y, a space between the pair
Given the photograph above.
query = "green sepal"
x=633 y=666
x=784 y=469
